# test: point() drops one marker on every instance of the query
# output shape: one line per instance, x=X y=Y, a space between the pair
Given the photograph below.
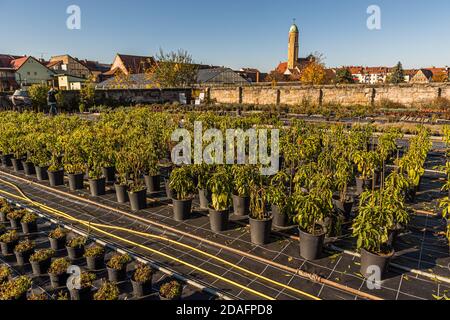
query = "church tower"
x=293 y=46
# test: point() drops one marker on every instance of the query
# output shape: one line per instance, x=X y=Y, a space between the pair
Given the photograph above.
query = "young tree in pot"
x=74 y=159
x=57 y=238
x=243 y=177
x=75 y=247
x=136 y=161
x=108 y=291
x=221 y=188
x=15 y=289
x=312 y=209
x=366 y=162
x=81 y=288
x=171 y=290
x=343 y=175
x=92 y=147
x=202 y=172
x=123 y=169
x=117 y=267
x=41 y=260
x=18 y=148
x=181 y=182
x=58 y=272
x=55 y=169
x=371 y=228
x=29 y=223
x=39 y=155
x=142 y=281
x=260 y=219
x=5 y=273
x=15 y=217
x=8 y=241
x=95 y=257
x=278 y=195
x=23 y=251
x=152 y=174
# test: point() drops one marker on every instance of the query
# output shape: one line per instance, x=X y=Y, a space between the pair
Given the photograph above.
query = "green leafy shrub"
x=76 y=242
x=119 y=261
x=29 y=217
x=59 y=266
x=42 y=255
x=94 y=251
x=5 y=273
x=171 y=290
x=9 y=237
x=14 y=289
x=143 y=273
x=58 y=233
x=107 y=291
x=25 y=246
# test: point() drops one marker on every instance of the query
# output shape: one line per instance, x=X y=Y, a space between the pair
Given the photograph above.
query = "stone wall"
x=406 y=94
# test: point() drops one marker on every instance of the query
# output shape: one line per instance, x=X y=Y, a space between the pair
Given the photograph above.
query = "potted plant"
x=81 y=288
x=152 y=174
x=343 y=175
x=29 y=223
x=366 y=162
x=75 y=247
x=38 y=297
x=5 y=273
x=278 y=195
x=108 y=291
x=57 y=238
x=371 y=229
x=123 y=168
x=55 y=171
x=117 y=267
x=15 y=216
x=136 y=158
x=260 y=219
x=95 y=257
x=41 y=260
x=142 y=281
x=221 y=188
x=97 y=182
x=4 y=210
x=8 y=241
x=58 y=272
x=243 y=175
x=23 y=251
x=182 y=184
x=39 y=155
x=15 y=289
x=202 y=172
x=171 y=290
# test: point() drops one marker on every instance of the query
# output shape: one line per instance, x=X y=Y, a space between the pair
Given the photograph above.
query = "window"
x=35 y=73
x=28 y=73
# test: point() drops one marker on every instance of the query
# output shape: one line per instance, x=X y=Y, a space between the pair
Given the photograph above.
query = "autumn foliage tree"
x=440 y=76
x=314 y=73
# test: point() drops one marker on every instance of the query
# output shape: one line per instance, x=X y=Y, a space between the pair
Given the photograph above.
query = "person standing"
x=51 y=100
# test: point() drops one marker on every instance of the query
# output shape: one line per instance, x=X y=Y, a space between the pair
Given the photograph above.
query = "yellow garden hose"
x=96 y=226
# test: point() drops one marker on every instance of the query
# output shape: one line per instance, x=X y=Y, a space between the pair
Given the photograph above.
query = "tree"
x=38 y=95
x=314 y=73
x=87 y=95
x=275 y=76
x=397 y=75
x=173 y=69
x=440 y=76
x=344 y=76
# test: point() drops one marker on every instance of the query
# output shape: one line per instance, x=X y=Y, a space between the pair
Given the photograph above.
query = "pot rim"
x=264 y=220
x=390 y=255
x=313 y=235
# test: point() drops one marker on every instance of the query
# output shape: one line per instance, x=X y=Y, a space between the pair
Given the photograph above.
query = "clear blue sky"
x=234 y=33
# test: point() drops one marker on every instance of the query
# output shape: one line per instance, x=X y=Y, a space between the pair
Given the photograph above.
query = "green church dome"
x=294 y=29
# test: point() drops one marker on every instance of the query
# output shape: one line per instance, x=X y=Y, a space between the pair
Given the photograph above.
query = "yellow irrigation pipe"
x=90 y=224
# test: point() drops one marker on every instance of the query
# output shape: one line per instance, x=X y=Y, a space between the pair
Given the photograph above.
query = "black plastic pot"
x=363 y=185
x=75 y=253
x=95 y=263
x=40 y=267
x=14 y=223
x=97 y=187
x=141 y=289
x=393 y=235
x=76 y=181
x=241 y=205
x=280 y=220
x=7 y=248
x=181 y=209
x=219 y=220
x=110 y=174
x=343 y=208
x=153 y=183
x=204 y=198
x=369 y=259
x=6 y=160
x=57 y=244
x=260 y=231
x=23 y=257
x=17 y=164
x=58 y=280
x=121 y=193
x=41 y=173
x=29 y=168
x=81 y=294
x=138 y=200
x=115 y=275
x=311 y=245
x=411 y=194
x=30 y=227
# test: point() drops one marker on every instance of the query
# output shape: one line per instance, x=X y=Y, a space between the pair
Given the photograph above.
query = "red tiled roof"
x=282 y=67
x=5 y=60
x=17 y=63
x=54 y=63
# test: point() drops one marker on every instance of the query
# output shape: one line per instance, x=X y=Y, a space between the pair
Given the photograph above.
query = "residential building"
x=7 y=73
x=252 y=75
x=65 y=64
x=29 y=71
x=68 y=82
x=128 y=64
